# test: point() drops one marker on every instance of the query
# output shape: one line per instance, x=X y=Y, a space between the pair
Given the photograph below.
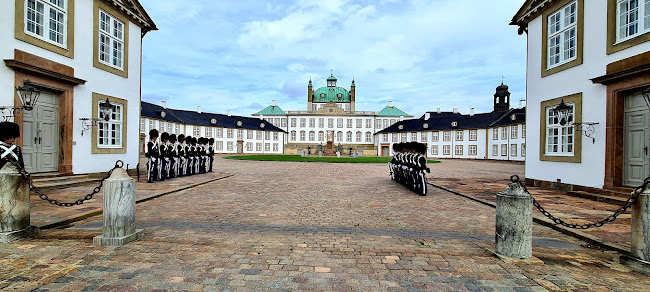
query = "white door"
x=636 y=140
x=41 y=135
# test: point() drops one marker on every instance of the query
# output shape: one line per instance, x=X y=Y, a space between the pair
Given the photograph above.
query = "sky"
x=420 y=54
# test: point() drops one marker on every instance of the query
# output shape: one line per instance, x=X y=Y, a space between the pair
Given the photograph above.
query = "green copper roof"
x=392 y=111
x=272 y=111
x=335 y=94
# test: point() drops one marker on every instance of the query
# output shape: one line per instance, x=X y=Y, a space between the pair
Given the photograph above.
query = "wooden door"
x=41 y=135
x=636 y=166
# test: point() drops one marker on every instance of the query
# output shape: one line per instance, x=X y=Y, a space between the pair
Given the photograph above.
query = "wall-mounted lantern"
x=28 y=96
x=564 y=115
x=105 y=108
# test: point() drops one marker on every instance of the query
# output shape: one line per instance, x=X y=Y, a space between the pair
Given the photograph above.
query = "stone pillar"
x=514 y=222
x=639 y=258
x=119 y=211
x=14 y=206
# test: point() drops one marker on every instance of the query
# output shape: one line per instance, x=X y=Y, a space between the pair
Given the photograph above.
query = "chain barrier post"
x=119 y=211
x=514 y=221
x=639 y=258
x=14 y=206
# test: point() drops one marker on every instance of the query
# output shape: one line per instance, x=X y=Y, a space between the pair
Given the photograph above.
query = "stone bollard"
x=119 y=211
x=514 y=226
x=14 y=206
x=338 y=154
x=639 y=259
x=320 y=154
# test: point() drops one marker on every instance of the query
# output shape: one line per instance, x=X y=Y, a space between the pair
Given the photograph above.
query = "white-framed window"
x=459 y=135
x=229 y=133
x=471 y=150
x=633 y=18
x=504 y=149
x=312 y=122
x=349 y=123
x=293 y=135
x=378 y=124
x=403 y=136
x=321 y=122
x=321 y=136
x=559 y=138
x=219 y=145
x=302 y=135
x=312 y=136
x=504 y=133
x=142 y=125
x=330 y=123
x=151 y=125
x=368 y=137
x=393 y=121
x=267 y=135
x=495 y=150
x=513 y=132
x=219 y=132
x=339 y=123
x=240 y=134
x=523 y=131
x=513 y=150
x=208 y=132
x=368 y=123
x=47 y=20
x=414 y=137
x=170 y=128
x=339 y=136
x=230 y=146
x=424 y=136
x=178 y=129
x=459 y=149
x=358 y=137
x=446 y=136
x=276 y=136
x=495 y=133
x=472 y=135
x=275 y=147
x=435 y=136
x=348 y=137
x=109 y=133
x=276 y=122
x=293 y=122
x=434 y=149
x=523 y=150
x=197 y=131
x=302 y=122
x=562 y=35
x=446 y=150
x=111 y=40
x=384 y=137
x=258 y=135
x=249 y=134
x=267 y=147
x=258 y=147
x=161 y=126
x=284 y=122
x=385 y=123
x=359 y=123
x=249 y=146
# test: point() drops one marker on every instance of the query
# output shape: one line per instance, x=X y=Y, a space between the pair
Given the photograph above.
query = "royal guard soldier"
x=204 y=155
x=164 y=155
x=181 y=155
x=10 y=154
x=211 y=153
x=190 y=156
x=195 y=154
x=153 y=155
x=173 y=156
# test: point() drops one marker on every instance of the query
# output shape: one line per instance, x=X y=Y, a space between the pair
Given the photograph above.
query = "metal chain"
x=635 y=194
x=27 y=176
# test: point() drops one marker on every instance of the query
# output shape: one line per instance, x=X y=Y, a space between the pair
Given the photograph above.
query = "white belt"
x=8 y=151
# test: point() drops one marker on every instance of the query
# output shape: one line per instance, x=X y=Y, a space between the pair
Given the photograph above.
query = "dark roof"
x=443 y=121
x=204 y=119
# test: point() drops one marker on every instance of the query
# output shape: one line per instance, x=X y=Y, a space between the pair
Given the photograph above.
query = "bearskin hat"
x=172 y=138
x=181 y=138
x=164 y=136
x=9 y=130
x=153 y=133
x=211 y=141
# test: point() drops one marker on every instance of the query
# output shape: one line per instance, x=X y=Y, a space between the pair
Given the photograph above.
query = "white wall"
x=591 y=171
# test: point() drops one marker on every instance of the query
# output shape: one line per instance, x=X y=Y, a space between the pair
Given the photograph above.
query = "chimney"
x=163 y=104
x=471 y=111
x=273 y=103
x=427 y=116
x=198 y=109
x=522 y=103
x=401 y=118
x=455 y=110
x=439 y=110
x=261 y=117
x=390 y=103
x=229 y=113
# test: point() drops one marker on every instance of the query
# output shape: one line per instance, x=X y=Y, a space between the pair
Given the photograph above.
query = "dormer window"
x=163 y=114
x=239 y=123
x=322 y=95
x=426 y=126
x=213 y=121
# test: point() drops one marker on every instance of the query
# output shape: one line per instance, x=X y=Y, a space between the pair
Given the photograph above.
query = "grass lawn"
x=298 y=158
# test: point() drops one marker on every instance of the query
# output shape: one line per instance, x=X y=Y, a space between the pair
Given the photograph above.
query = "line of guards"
x=408 y=166
x=170 y=157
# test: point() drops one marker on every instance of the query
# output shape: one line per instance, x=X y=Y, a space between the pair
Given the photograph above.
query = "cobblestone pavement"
x=571 y=209
x=310 y=226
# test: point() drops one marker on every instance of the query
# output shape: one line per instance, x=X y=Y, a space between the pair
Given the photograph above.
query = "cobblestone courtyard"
x=312 y=226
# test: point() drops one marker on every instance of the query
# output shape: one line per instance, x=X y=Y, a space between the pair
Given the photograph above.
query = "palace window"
x=523 y=150
x=312 y=136
x=472 y=150
x=369 y=123
x=249 y=146
x=293 y=135
x=267 y=135
x=446 y=150
x=523 y=131
x=424 y=136
x=358 y=137
x=302 y=122
x=559 y=138
x=302 y=135
x=348 y=137
x=219 y=133
x=562 y=35
x=495 y=133
x=495 y=150
x=230 y=146
x=384 y=137
x=349 y=123
x=368 y=137
x=249 y=134
x=151 y=125
x=504 y=149
x=459 y=135
x=197 y=132
x=276 y=122
x=459 y=150
x=219 y=146
x=513 y=150
x=404 y=136
x=293 y=122
x=385 y=123
x=434 y=136
x=267 y=147
x=434 y=149
x=472 y=135
x=330 y=123
x=208 y=132
x=359 y=123
x=339 y=136
x=321 y=136
x=393 y=121
x=275 y=136
x=633 y=18
x=513 y=132
x=229 y=133
x=339 y=123
x=446 y=136
x=258 y=147
x=395 y=140
x=378 y=124
x=504 y=133
x=414 y=137
x=240 y=134
x=275 y=147
x=47 y=20
x=321 y=122
x=142 y=125
x=258 y=135
x=178 y=129
x=284 y=122
x=109 y=133
x=111 y=40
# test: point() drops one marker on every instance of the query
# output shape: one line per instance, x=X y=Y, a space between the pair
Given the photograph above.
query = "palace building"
x=331 y=122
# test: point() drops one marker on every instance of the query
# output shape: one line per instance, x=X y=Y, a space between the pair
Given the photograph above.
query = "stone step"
x=60 y=182
x=620 y=192
x=610 y=199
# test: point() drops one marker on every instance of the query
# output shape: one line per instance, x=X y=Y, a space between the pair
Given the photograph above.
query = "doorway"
x=636 y=140
x=240 y=147
x=41 y=135
x=385 y=150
